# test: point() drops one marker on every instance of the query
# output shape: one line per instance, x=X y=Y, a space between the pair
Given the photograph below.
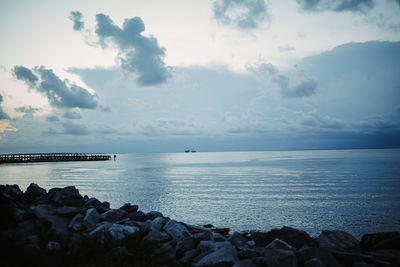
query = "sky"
x=213 y=75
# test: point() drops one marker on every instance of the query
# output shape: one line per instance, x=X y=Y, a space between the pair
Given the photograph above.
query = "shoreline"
x=51 y=225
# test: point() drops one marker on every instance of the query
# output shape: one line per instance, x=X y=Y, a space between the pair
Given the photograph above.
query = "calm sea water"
x=353 y=190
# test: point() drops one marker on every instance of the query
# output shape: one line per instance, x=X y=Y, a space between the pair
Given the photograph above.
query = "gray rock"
x=45 y=213
x=166 y=252
x=101 y=207
x=290 y=235
x=378 y=241
x=221 y=231
x=183 y=245
x=13 y=191
x=100 y=228
x=67 y=196
x=129 y=208
x=307 y=253
x=218 y=237
x=238 y=240
x=19 y=214
x=337 y=240
x=100 y=232
x=176 y=230
x=188 y=256
x=153 y=214
x=314 y=262
x=158 y=235
x=249 y=253
x=76 y=222
x=280 y=257
x=91 y=218
x=223 y=253
x=159 y=222
x=206 y=235
x=118 y=231
x=66 y=211
x=205 y=246
x=138 y=216
x=34 y=191
x=113 y=215
x=279 y=244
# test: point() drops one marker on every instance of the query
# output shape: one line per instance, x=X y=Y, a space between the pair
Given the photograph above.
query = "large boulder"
x=119 y=231
x=45 y=213
x=95 y=203
x=157 y=235
x=113 y=215
x=67 y=196
x=294 y=237
x=378 y=241
x=238 y=240
x=165 y=253
x=76 y=222
x=337 y=240
x=33 y=193
x=176 y=230
x=66 y=211
x=280 y=257
x=222 y=253
x=153 y=214
x=129 y=208
x=325 y=256
x=183 y=245
x=137 y=216
x=91 y=218
x=13 y=191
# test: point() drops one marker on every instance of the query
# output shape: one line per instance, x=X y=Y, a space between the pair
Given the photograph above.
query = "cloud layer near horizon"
x=336 y=5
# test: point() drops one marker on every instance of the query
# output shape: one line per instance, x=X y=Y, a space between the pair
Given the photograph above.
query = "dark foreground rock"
x=62 y=228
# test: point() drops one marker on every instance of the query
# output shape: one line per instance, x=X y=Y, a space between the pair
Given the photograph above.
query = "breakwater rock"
x=62 y=228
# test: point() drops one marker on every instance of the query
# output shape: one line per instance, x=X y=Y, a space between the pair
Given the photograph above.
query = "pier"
x=51 y=157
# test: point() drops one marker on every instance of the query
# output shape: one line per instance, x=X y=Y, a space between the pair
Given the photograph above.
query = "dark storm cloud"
x=25 y=74
x=302 y=89
x=244 y=14
x=314 y=119
x=138 y=54
x=3 y=115
x=52 y=118
x=74 y=129
x=76 y=17
x=60 y=93
x=72 y=115
x=336 y=5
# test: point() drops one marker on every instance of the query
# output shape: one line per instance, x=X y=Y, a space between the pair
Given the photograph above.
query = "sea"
x=357 y=191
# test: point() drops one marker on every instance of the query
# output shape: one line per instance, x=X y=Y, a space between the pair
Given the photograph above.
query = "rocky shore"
x=62 y=228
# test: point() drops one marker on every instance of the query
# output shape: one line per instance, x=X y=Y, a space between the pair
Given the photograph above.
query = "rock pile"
x=64 y=216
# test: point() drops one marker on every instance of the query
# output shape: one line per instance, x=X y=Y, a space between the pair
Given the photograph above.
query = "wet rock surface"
x=60 y=227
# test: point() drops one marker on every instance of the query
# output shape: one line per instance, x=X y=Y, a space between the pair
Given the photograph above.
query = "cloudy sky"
x=214 y=75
